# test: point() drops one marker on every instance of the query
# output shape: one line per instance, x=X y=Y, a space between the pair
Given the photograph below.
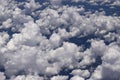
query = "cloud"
x=28 y=77
x=35 y=40
x=77 y=78
x=110 y=60
x=115 y=2
x=2 y=76
x=82 y=73
x=59 y=78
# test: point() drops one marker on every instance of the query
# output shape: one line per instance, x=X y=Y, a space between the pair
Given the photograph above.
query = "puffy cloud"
x=77 y=78
x=64 y=56
x=2 y=76
x=82 y=73
x=111 y=62
x=7 y=23
x=55 y=3
x=115 y=2
x=4 y=37
x=59 y=78
x=31 y=5
x=28 y=77
x=35 y=40
x=97 y=75
x=55 y=39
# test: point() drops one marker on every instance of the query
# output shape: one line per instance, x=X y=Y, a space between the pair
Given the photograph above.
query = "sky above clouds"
x=59 y=39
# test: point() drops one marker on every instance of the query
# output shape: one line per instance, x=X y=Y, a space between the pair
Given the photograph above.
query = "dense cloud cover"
x=59 y=39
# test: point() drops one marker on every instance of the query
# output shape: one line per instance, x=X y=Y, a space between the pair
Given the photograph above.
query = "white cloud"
x=55 y=3
x=97 y=75
x=77 y=78
x=7 y=23
x=82 y=73
x=111 y=2
x=4 y=37
x=55 y=40
x=111 y=62
x=28 y=77
x=59 y=78
x=35 y=39
x=2 y=76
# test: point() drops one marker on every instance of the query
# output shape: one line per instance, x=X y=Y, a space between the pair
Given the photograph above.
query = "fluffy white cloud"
x=55 y=3
x=111 y=62
x=97 y=75
x=111 y=2
x=28 y=77
x=77 y=78
x=2 y=76
x=36 y=40
x=59 y=78
x=82 y=73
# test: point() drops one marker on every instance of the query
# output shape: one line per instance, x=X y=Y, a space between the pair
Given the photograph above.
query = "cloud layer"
x=59 y=40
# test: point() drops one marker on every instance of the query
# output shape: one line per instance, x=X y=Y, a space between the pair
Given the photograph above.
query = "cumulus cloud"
x=28 y=77
x=115 y=2
x=77 y=78
x=59 y=40
x=2 y=76
x=82 y=73
x=59 y=78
